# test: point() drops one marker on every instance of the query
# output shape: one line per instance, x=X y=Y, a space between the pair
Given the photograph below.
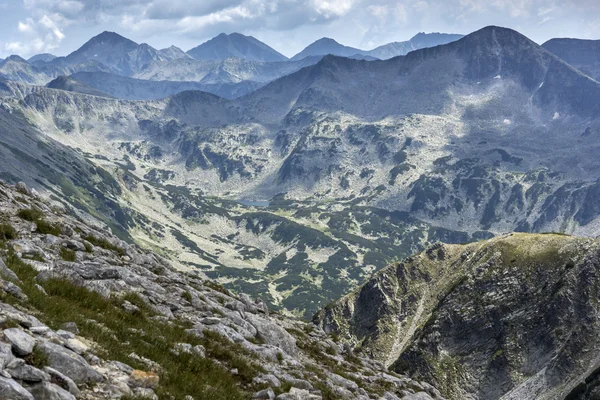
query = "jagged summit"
x=235 y=45
x=121 y=55
x=15 y=58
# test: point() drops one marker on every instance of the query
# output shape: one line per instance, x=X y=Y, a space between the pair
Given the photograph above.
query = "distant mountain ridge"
x=122 y=55
x=105 y=84
x=41 y=58
x=229 y=66
x=325 y=46
x=236 y=45
x=328 y=46
x=582 y=54
x=420 y=41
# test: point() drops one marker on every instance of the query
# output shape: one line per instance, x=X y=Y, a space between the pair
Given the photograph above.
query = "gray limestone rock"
x=9 y=389
x=50 y=391
x=69 y=363
x=22 y=343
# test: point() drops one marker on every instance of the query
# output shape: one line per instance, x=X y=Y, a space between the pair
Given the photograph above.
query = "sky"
x=29 y=27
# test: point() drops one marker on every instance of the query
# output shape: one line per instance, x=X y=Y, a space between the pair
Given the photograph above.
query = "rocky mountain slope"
x=512 y=317
x=230 y=70
x=582 y=54
x=235 y=45
x=297 y=255
x=71 y=84
x=16 y=69
x=174 y=52
x=86 y=315
x=330 y=171
x=121 y=87
x=121 y=55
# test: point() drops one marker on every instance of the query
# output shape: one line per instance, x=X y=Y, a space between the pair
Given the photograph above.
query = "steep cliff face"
x=513 y=317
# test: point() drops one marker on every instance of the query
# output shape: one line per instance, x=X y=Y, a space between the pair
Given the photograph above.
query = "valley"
x=415 y=202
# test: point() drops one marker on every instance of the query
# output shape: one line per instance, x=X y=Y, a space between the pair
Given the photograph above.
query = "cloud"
x=291 y=24
x=332 y=8
x=37 y=36
x=198 y=17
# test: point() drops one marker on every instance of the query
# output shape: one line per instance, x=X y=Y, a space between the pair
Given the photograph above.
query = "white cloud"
x=37 y=36
x=358 y=23
x=332 y=8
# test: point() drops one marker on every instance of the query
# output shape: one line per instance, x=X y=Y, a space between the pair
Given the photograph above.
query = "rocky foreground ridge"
x=513 y=317
x=84 y=315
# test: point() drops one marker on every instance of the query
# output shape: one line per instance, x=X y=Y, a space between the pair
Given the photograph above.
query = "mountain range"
x=328 y=185
x=328 y=46
x=227 y=65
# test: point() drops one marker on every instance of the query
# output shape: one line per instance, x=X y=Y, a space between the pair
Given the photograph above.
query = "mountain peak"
x=236 y=45
x=499 y=37
x=110 y=36
x=326 y=40
x=326 y=46
x=121 y=55
x=16 y=58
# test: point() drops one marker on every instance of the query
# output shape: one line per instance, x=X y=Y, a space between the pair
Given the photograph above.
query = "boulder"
x=142 y=379
x=210 y=320
x=62 y=380
x=6 y=355
x=13 y=289
x=50 y=391
x=70 y=327
x=268 y=379
x=10 y=389
x=273 y=334
x=417 y=396
x=77 y=346
x=337 y=380
x=27 y=373
x=298 y=394
x=70 y=363
x=7 y=273
x=266 y=394
x=22 y=344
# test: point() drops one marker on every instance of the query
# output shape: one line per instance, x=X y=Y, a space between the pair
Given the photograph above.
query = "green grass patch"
x=46 y=228
x=67 y=254
x=35 y=257
x=7 y=232
x=105 y=244
x=37 y=358
x=118 y=334
x=30 y=214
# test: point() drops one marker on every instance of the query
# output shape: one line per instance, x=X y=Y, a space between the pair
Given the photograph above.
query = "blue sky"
x=29 y=27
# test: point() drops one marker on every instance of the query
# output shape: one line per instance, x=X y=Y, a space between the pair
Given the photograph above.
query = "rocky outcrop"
x=513 y=317
x=99 y=318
